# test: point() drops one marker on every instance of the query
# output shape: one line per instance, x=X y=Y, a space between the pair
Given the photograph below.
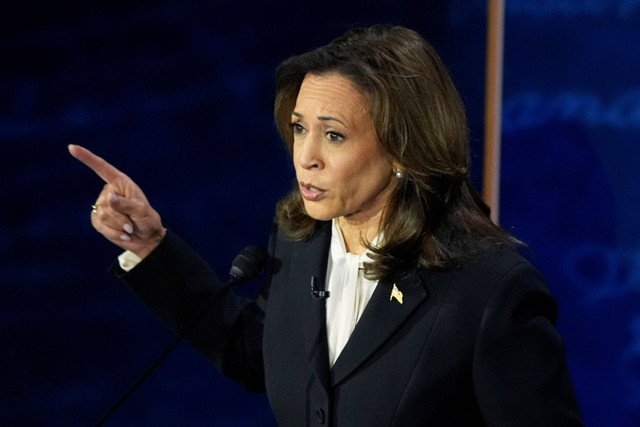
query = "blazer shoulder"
x=497 y=265
x=478 y=279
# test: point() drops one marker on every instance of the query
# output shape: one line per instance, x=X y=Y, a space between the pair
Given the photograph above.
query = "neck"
x=356 y=232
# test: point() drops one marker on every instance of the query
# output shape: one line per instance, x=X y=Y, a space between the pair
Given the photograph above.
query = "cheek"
x=295 y=162
x=357 y=180
x=367 y=168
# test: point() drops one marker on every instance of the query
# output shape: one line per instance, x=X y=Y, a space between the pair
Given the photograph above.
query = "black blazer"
x=472 y=346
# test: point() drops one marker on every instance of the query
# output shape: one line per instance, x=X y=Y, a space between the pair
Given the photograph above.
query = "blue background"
x=179 y=96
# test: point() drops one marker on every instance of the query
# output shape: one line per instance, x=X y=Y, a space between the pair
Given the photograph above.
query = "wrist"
x=152 y=243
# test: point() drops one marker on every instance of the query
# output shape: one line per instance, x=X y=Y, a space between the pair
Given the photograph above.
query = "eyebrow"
x=323 y=118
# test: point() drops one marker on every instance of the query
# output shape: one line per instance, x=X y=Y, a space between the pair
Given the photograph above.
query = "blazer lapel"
x=310 y=260
x=380 y=319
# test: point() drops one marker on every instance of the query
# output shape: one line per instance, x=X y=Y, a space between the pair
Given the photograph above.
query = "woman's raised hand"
x=122 y=212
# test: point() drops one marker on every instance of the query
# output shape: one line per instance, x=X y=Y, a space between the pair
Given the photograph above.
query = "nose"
x=308 y=152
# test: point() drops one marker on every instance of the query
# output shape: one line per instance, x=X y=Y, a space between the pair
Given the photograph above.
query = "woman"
x=431 y=315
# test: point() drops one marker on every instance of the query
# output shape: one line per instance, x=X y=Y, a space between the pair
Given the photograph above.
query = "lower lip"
x=310 y=195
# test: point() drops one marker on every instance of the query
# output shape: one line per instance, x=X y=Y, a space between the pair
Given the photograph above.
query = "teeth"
x=311 y=188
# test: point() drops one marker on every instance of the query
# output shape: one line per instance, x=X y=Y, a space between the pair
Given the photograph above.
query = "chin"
x=318 y=213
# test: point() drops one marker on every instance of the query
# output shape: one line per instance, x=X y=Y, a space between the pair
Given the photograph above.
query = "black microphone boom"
x=247 y=265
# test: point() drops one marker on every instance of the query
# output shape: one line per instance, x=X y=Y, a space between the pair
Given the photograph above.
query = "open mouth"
x=311 y=192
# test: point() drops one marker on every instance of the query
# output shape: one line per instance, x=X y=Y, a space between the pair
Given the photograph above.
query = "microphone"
x=318 y=294
x=247 y=265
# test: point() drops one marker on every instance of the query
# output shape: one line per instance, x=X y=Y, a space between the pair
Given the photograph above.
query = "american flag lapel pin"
x=395 y=293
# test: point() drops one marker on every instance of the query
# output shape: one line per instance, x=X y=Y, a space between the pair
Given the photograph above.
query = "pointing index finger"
x=100 y=166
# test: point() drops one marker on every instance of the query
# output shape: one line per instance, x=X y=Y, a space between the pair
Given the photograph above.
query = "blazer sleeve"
x=520 y=371
x=177 y=285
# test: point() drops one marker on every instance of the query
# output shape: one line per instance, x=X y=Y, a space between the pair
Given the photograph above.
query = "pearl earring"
x=399 y=173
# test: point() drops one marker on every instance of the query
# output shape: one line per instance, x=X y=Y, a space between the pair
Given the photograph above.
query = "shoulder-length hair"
x=434 y=217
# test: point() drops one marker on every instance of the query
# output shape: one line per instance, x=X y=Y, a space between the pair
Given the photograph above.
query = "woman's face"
x=341 y=167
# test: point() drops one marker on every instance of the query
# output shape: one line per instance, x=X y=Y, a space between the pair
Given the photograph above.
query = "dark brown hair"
x=434 y=217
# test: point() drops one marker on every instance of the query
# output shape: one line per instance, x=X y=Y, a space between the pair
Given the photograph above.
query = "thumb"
x=125 y=205
x=146 y=220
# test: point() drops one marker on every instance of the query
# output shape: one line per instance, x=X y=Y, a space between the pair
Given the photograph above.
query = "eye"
x=297 y=128
x=334 y=136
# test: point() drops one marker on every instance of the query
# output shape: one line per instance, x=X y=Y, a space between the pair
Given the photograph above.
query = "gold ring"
x=94 y=207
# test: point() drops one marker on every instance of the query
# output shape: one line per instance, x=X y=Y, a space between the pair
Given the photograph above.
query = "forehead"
x=330 y=93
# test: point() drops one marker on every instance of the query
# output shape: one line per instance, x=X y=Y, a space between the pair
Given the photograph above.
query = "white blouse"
x=349 y=292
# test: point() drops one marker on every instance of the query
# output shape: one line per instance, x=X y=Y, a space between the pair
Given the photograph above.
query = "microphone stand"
x=246 y=266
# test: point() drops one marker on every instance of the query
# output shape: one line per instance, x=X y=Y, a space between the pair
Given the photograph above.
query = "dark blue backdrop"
x=179 y=95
